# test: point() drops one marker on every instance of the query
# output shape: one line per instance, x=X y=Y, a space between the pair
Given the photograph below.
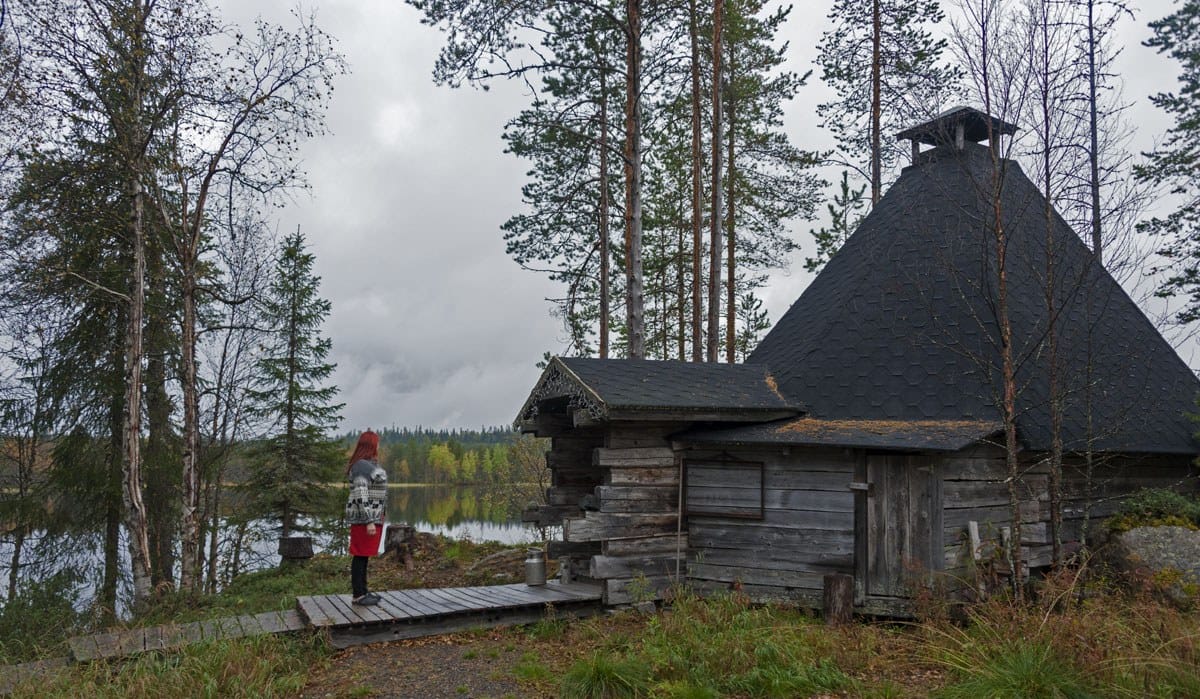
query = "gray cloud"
x=432 y=322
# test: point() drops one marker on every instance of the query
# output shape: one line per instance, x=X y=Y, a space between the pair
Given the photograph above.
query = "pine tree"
x=884 y=62
x=297 y=458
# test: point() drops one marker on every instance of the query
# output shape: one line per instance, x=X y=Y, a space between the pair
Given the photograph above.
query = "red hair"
x=367 y=448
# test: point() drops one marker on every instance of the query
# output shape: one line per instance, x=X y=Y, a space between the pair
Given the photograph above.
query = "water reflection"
x=477 y=512
x=480 y=513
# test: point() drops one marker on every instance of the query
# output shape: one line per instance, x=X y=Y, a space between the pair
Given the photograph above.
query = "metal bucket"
x=535 y=567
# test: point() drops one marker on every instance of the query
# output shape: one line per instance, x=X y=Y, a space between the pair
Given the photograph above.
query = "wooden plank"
x=415 y=602
x=604 y=455
x=313 y=612
x=641 y=476
x=469 y=601
x=349 y=614
x=602 y=567
x=332 y=611
x=453 y=602
x=811 y=559
x=861 y=529
x=366 y=614
x=344 y=638
x=154 y=638
x=581 y=591
x=431 y=601
x=663 y=543
x=756 y=576
x=250 y=624
x=754 y=536
x=394 y=609
x=492 y=597
x=83 y=648
x=558 y=549
x=596 y=526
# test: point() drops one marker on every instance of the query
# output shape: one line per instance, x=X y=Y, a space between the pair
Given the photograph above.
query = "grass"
x=1069 y=645
x=263 y=666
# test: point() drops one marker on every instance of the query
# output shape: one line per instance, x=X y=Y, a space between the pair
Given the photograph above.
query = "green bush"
x=38 y=620
x=1152 y=507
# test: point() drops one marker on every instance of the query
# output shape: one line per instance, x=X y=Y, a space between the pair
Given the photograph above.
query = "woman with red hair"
x=365 y=512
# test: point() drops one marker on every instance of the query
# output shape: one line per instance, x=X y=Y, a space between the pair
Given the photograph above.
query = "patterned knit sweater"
x=368 y=493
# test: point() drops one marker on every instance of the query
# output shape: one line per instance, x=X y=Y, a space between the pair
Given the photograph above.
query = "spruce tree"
x=296 y=459
x=1173 y=164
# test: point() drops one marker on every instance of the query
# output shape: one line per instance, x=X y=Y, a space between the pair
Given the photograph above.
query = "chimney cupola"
x=954 y=127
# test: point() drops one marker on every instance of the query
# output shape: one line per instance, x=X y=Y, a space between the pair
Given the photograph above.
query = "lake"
x=479 y=513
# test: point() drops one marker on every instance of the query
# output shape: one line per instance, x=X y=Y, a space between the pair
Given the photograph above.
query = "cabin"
x=863 y=436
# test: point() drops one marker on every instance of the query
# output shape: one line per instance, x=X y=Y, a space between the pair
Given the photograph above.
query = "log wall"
x=975 y=489
x=806 y=530
x=616 y=495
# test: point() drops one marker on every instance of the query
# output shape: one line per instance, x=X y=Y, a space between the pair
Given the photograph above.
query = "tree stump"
x=296 y=548
x=839 y=599
x=401 y=538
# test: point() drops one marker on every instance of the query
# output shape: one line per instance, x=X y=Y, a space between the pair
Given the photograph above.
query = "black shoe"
x=367 y=600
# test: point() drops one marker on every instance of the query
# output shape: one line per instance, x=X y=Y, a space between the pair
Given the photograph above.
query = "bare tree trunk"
x=876 y=88
x=189 y=513
x=1093 y=132
x=1056 y=391
x=714 y=253
x=633 y=180
x=604 y=252
x=681 y=301
x=14 y=570
x=697 y=190
x=730 y=236
x=131 y=483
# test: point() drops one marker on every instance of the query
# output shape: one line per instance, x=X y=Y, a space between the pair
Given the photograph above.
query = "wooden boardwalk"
x=400 y=614
x=427 y=612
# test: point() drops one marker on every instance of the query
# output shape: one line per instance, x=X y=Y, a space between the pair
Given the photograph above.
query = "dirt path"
x=462 y=666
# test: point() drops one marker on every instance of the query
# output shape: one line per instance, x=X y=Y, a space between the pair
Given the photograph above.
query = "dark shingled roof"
x=605 y=385
x=901 y=324
x=914 y=435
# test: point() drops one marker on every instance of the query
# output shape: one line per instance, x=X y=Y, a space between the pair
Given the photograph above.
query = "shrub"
x=38 y=620
x=1154 y=507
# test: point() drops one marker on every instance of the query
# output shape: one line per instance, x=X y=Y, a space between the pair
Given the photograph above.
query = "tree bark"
x=876 y=88
x=633 y=181
x=697 y=191
x=131 y=482
x=604 y=251
x=1093 y=132
x=189 y=523
x=714 y=253
x=730 y=232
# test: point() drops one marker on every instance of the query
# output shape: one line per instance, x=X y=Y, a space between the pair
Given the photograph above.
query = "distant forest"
x=424 y=455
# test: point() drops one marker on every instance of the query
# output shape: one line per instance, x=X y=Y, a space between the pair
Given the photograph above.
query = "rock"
x=1165 y=559
x=506 y=562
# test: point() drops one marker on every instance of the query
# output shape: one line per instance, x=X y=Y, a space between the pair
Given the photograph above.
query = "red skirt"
x=363 y=544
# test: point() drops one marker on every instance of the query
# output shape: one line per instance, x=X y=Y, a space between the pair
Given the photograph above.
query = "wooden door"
x=903 y=519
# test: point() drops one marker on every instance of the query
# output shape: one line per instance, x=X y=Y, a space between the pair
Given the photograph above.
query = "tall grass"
x=1068 y=645
x=262 y=666
x=709 y=648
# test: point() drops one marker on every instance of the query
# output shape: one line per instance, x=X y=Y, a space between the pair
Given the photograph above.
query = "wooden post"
x=839 y=599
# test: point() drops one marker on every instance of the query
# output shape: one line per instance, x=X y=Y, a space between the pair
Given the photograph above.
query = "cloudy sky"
x=433 y=324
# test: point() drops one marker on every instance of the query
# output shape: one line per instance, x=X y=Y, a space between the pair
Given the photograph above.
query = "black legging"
x=358 y=576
